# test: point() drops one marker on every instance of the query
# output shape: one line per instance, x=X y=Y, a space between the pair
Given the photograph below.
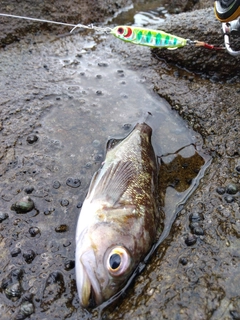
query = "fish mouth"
x=89 y=291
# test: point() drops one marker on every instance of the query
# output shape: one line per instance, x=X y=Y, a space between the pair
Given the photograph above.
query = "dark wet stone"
x=29 y=190
x=220 y=190
x=82 y=73
x=195 y=217
x=32 y=139
x=56 y=184
x=99 y=92
x=183 y=261
x=15 y=252
x=12 y=286
x=120 y=71
x=127 y=126
x=231 y=189
x=79 y=205
x=102 y=64
x=61 y=228
x=26 y=309
x=64 y=202
x=98 y=76
x=229 y=199
x=29 y=255
x=34 y=231
x=238 y=168
x=24 y=205
x=190 y=240
x=69 y=265
x=194 y=225
x=74 y=183
x=235 y=314
x=3 y=216
x=198 y=231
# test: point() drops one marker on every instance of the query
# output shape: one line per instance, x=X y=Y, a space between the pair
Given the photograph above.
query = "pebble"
x=29 y=190
x=69 y=264
x=198 y=231
x=56 y=184
x=190 y=240
x=32 y=138
x=15 y=252
x=231 y=189
x=64 y=202
x=61 y=228
x=3 y=216
x=229 y=199
x=195 y=217
x=29 y=255
x=220 y=190
x=183 y=261
x=24 y=205
x=34 y=231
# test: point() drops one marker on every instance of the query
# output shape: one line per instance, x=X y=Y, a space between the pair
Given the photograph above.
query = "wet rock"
x=232 y=189
x=61 y=228
x=31 y=139
x=15 y=252
x=198 y=231
x=79 y=205
x=29 y=256
x=102 y=64
x=12 y=285
x=235 y=314
x=49 y=211
x=73 y=183
x=24 y=205
x=190 y=240
x=3 y=216
x=238 y=168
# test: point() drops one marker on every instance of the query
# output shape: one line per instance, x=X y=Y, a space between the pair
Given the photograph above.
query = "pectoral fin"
x=114 y=182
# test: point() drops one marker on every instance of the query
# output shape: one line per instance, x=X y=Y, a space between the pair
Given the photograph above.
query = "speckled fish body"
x=119 y=218
x=148 y=37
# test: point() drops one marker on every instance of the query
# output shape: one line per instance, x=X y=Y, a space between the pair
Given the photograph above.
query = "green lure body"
x=148 y=37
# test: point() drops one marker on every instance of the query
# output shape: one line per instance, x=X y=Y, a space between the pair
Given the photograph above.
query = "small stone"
x=3 y=216
x=79 y=205
x=24 y=205
x=32 y=138
x=29 y=190
x=220 y=190
x=61 y=228
x=15 y=252
x=190 y=240
x=198 y=231
x=99 y=92
x=127 y=126
x=69 y=264
x=238 y=168
x=196 y=217
x=231 y=189
x=102 y=64
x=229 y=199
x=29 y=255
x=34 y=231
x=183 y=261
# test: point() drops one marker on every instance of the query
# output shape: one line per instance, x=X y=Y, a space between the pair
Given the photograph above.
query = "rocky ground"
x=195 y=272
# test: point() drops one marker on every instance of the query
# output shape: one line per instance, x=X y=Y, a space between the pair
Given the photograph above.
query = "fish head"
x=103 y=263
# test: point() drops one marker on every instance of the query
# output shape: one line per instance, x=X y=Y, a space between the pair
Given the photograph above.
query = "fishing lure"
x=148 y=37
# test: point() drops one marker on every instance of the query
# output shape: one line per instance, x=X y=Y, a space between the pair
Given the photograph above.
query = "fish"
x=119 y=218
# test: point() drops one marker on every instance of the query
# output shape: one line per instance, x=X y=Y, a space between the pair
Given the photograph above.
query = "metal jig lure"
x=135 y=35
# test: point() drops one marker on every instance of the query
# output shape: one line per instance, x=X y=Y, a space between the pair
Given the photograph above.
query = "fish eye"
x=118 y=261
x=120 y=30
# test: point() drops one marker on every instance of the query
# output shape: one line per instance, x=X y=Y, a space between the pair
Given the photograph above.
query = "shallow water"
x=73 y=97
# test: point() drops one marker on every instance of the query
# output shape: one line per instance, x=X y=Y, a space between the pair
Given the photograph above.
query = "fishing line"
x=135 y=35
